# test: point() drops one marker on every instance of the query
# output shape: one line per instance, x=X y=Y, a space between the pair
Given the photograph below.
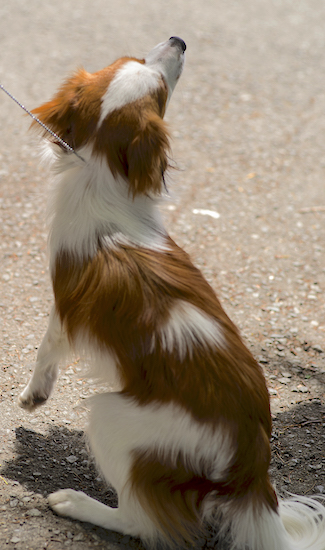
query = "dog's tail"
x=298 y=524
x=304 y=521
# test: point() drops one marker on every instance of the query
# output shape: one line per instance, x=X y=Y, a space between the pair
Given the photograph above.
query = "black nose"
x=175 y=40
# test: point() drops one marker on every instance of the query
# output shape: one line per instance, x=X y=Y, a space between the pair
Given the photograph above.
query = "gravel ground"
x=247 y=201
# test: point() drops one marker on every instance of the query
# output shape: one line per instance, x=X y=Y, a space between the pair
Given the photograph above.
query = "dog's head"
x=118 y=112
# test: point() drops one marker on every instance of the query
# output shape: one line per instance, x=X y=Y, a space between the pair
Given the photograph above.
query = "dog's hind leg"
x=115 y=428
x=79 y=506
x=52 y=349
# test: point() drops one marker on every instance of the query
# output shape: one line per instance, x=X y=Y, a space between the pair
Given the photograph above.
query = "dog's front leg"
x=52 y=349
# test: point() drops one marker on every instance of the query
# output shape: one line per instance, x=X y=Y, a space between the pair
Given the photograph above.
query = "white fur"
x=164 y=59
x=99 y=364
x=87 y=201
x=53 y=349
x=168 y=429
x=299 y=525
x=131 y=82
x=304 y=520
x=189 y=327
x=255 y=529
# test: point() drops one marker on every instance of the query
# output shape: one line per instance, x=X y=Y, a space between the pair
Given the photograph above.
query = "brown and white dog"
x=186 y=440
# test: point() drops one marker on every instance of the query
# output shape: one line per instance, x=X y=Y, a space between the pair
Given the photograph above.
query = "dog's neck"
x=90 y=207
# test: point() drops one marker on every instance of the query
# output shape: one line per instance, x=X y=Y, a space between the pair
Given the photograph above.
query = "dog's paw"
x=68 y=502
x=29 y=400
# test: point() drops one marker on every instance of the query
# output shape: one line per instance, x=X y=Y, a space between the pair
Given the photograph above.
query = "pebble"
x=284 y=380
x=14 y=540
x=318 y=348
x=262 y=359
x=71 y=459
x=13 y=503
x=34 y=512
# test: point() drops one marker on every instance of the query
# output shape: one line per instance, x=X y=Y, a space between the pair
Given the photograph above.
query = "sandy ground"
x=248 y=127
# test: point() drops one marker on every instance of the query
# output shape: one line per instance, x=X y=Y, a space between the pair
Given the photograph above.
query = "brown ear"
x=58 y=117
x=65 y=113
x=147 y=156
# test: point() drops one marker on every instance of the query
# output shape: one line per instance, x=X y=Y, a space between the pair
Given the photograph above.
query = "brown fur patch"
x=121 y=297
x=135 y=142
x=170 y=494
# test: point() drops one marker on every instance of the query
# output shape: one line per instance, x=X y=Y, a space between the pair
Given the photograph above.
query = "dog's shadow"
x=58 y=460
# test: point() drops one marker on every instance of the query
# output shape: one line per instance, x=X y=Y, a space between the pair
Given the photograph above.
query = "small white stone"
x=34 y=512
x=284 y=380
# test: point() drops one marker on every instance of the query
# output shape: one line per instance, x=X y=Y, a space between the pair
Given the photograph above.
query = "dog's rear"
x=186 y=440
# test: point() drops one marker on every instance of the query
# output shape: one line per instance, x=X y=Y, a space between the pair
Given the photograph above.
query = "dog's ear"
x=66 y=115
x=147 y=155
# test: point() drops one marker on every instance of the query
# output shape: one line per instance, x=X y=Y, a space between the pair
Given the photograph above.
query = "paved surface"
x=248 y=128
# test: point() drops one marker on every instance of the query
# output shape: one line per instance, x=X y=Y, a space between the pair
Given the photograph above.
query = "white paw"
x=29 y=399
x=73 y=504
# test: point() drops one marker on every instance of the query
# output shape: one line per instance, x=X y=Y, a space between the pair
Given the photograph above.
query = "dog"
x=185 y=442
